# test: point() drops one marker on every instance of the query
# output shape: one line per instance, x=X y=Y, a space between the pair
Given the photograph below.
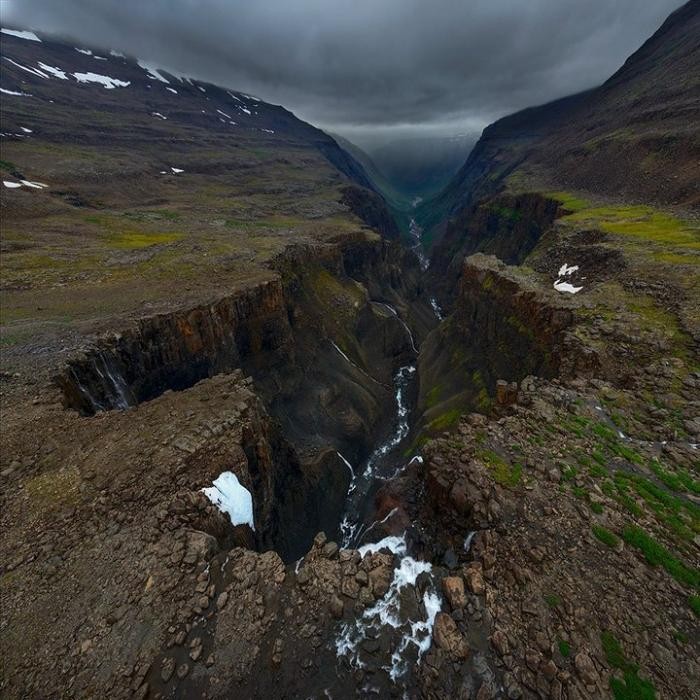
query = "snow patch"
x=228 y=116
x=104 y=80
x=565 y=270
x=171 y=90
x=566 y=287
x=87 y=52
x=158 y=114
x=16 y=94
x=29 y=36
x=56 y=72
x=33 y=71
x=116 y=54
x=35 y=185
x=153 y=71
x=177 y=171
x=26 y=131
x=11 y=185
x=230 y=496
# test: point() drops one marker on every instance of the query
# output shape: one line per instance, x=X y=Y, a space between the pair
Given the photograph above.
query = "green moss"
x=694 y=603
x=605 y=536
x=552 y=599
x=132 y=240
x=7 y=165
x=597 y=508
x=445 y=420
x=631 y=686
x=564 y=648
x=569 y=201
x=657 y=555
x=502 y=471
x=433 y=397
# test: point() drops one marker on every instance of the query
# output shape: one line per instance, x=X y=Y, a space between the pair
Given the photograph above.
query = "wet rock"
x=453 y=589
x=336 y=607
x=167 y=669
x=330 y=550
x=448 y=637
x=474 y=578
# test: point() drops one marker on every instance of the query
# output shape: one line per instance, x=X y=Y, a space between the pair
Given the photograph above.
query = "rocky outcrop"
x=504 y=327
x=507 y=226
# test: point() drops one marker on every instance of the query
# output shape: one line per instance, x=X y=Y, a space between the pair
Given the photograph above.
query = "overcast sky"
x=370 y=69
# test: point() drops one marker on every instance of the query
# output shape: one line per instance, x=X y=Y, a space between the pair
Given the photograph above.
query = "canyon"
x=470 y=448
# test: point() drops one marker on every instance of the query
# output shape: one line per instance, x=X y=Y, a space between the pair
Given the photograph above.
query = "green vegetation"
x=569 y=201
x=433 y=397
x=680 y=481
x=502 y=471
x=445 y=420
x=605 y=536
x=657 y=555
x=552 y=599
x=631 y=686
x=694 y=602
x=129 y=240
x=564 y=648
x=597 y=508
x=639 y=222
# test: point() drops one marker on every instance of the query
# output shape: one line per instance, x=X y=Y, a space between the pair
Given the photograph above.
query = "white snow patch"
x=26 y=131
x=228 y=116
x=33 y=71
x=35 y=185
x=268 y=131
x=153 y=71
x=158 y=114
x=566 y=287
x=87 y=52
x=468 y=540
x=230 y=496
x=243 y=109
x=200 y=88
x=16 y=94
x=251 y=97
x=565 y=270
x=100 y=58
x=177 y=170
x=104 y=80
x=171 y=90
x=56 y=72
x=116 y=54
x=11 y=185
x=29 y=36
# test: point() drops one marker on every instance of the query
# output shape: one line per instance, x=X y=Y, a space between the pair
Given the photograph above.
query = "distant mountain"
x=420 y=167
x=116 y=100
x=635 y=136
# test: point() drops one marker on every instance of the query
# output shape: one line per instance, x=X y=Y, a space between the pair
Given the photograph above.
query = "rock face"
x=505 y=326
x=507 y=226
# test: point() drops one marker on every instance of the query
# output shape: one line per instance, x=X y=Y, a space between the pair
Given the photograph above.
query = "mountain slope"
x=635 y=136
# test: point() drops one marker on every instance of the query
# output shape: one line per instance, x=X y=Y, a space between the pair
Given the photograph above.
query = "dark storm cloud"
x=366 y=65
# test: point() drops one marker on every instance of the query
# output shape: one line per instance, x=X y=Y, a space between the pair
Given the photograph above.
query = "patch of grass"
x=640 y=222
x=445 y=420
x=564 y=648
x=657 y=555
x=569 y=201
x=552 y=599
x=631 y=686
x=502 y=471
x=597 y=508
x=433 y=397
x=53 y=490
x=680 y=481
x=130 y=240
x=694 y=603
x=605 y=536
x=7 y=165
